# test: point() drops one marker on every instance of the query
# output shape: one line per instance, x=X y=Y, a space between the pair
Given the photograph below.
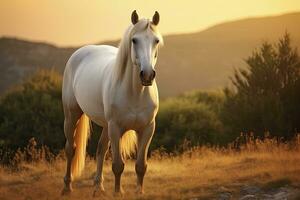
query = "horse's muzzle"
x=147 y=78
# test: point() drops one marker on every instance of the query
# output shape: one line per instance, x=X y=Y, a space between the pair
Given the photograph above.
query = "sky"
x=78 y=22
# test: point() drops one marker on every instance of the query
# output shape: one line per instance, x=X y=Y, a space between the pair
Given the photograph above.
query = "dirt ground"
x=269 y=173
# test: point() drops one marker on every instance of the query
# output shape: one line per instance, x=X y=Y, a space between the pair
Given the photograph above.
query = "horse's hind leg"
x=102 y=148
x=72 y=115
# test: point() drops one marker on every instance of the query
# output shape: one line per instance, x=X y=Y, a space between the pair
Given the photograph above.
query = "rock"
x=249 y=197
x=267 y=197
x=284 y=189
x=224 y=196
x=250 y=190
x=295 y=195
x=280 y=196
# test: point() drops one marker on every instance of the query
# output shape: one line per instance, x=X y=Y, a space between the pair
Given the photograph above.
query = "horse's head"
x=145 y=40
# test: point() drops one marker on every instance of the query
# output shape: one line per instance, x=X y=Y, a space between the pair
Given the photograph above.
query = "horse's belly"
x=88 y=95
x=89 y=81
x=99 y=120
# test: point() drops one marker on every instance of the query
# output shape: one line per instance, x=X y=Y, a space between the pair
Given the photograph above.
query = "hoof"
x=66 y=191
x=98 y=190
x=140 y=190
x=119 y=193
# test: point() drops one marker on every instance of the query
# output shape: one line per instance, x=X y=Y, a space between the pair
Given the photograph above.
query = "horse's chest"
x=136 y=116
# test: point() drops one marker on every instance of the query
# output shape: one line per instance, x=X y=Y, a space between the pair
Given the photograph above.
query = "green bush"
x=33 y=109
x=192 y=117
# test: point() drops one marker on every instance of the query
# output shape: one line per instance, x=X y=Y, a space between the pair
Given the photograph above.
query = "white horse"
x=116 y=89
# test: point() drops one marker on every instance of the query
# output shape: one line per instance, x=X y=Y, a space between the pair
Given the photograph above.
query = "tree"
x=265 y=94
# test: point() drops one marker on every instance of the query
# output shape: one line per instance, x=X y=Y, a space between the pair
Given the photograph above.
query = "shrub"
x=192 y=117
x=33 y=110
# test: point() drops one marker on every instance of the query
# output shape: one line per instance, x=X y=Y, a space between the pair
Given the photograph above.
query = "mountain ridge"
x=199 y=60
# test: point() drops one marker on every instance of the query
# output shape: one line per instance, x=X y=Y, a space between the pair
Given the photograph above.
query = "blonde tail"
x=80 y=139
x=128 y=144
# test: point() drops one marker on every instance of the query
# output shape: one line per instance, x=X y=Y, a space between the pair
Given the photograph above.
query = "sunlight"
x=74 y=22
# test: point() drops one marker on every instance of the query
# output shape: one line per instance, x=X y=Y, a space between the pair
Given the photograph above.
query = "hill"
x=202 y=60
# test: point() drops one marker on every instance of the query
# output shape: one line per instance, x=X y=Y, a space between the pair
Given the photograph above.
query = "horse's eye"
x=134 y=41
x=157 y=41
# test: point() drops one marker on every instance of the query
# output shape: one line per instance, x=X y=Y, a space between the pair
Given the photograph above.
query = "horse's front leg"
x=115 y=134
x=102 y=148
x=144 y=139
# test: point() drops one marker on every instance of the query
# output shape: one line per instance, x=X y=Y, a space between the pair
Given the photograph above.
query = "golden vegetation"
x=200 y=172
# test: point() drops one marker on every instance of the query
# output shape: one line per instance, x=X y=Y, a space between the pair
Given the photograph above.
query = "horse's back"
x=85 y=75
x=90 y=54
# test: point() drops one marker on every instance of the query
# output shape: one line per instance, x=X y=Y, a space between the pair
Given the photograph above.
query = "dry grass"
x=200 y=172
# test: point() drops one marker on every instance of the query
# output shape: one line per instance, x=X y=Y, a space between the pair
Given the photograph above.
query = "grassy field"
x=199 y=173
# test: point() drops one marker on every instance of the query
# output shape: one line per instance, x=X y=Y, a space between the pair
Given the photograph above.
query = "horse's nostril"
x=153 y=74
x=141 y=74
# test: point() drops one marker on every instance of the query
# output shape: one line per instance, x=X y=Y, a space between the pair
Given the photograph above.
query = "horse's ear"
x=134 y=17
x=155 y=18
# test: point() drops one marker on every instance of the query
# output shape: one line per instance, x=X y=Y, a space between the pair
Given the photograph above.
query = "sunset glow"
x=72 y=22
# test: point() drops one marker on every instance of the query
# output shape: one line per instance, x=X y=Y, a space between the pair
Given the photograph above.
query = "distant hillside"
x=202 y=60
x=19 y=58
